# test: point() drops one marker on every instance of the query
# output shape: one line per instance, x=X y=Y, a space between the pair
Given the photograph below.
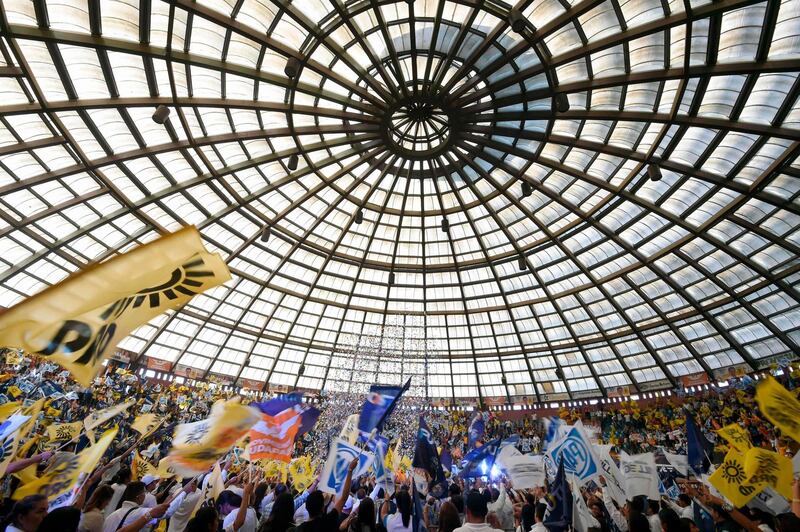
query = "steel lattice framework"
x=467 y=187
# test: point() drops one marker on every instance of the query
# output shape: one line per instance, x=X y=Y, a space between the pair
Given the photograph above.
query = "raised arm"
x=346 y=490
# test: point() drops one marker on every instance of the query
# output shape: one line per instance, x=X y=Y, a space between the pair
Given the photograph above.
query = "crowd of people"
x=248 y=498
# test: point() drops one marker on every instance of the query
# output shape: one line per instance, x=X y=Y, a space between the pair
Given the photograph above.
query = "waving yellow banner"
x=779 y=406
x=730 y=479
x=79 y=320
x=736 y=436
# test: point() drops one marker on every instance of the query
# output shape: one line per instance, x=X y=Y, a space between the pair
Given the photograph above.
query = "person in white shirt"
x=400 y=521
x=118 y=484
x=150 y=482
x=182 y=507
x=239 y=516
x=131 y=515
x=476 y=509
x=503 y=508
x=538 y=518
x=27 y=514
x=682 y=506
x=92 y=518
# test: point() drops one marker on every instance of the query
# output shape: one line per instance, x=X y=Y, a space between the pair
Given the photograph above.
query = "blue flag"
x=479 y=461
x=380 y=403
x=294 y=400
x=560 y=516
x=446 y=459
x=553 y=427
x=699 y=448
x=476 y=429
x=426 y=456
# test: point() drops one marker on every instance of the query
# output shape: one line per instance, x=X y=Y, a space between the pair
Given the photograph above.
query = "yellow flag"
x=64 y=432
x=7 y=409
x=79 y=320
x=165 y=470
x=730 y=479
x=736 y=436
x=302 y=474
x=144 y=424
x=141 y=467
x=97 y=418
x=767 y=468
x=779 y=406
x=60 y=479
x=27 y=475
x=405 y=463
x=196 y=446
x=212 y=489
x=23 y=451
x=14 y=391
x=33 y=411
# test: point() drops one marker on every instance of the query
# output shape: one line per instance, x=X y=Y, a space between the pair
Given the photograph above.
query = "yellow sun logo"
x=733 y=473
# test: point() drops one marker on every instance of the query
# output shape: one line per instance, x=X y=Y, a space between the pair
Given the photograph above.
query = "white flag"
x=525 y=471
x=770 y=501
x=582 y=518
x=641 y=475
x=615 y=483
x=12 y=425
x=679 y=461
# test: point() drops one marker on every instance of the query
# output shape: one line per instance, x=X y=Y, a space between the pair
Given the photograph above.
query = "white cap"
x=148 y=479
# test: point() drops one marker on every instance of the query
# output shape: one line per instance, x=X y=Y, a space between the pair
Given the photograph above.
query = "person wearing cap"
x=476 y=510
x=150 y=483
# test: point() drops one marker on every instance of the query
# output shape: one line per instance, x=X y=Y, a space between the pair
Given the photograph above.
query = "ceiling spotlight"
x=292 y=164
x=560 y=373
x=292 y=67
x=359 y=216
x=301 y=370
x=527 y=189
x=517 y=21
x=160 y=114
x=562 y=102
x=654 y=172
x=266 y=233
x=503 y=380
x=445 y=225
x=391 y=278
x=522 y=264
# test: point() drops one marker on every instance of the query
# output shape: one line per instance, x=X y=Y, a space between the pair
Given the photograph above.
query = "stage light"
x=359 y=216
x=654 y=172
x=293 y=162
x=292 y=67
x=391 y=278
x=161 y=114
x=517 y=20
x=522 y=264
x=527 y=189
x=266 y=233
x=445 y=225
x=562 y=102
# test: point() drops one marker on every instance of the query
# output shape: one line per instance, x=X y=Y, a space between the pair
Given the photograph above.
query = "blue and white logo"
x=576 y=452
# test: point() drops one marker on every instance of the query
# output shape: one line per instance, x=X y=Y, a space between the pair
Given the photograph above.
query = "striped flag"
x=282 y=420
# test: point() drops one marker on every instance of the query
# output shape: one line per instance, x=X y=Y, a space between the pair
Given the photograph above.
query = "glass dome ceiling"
x=446 y=197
